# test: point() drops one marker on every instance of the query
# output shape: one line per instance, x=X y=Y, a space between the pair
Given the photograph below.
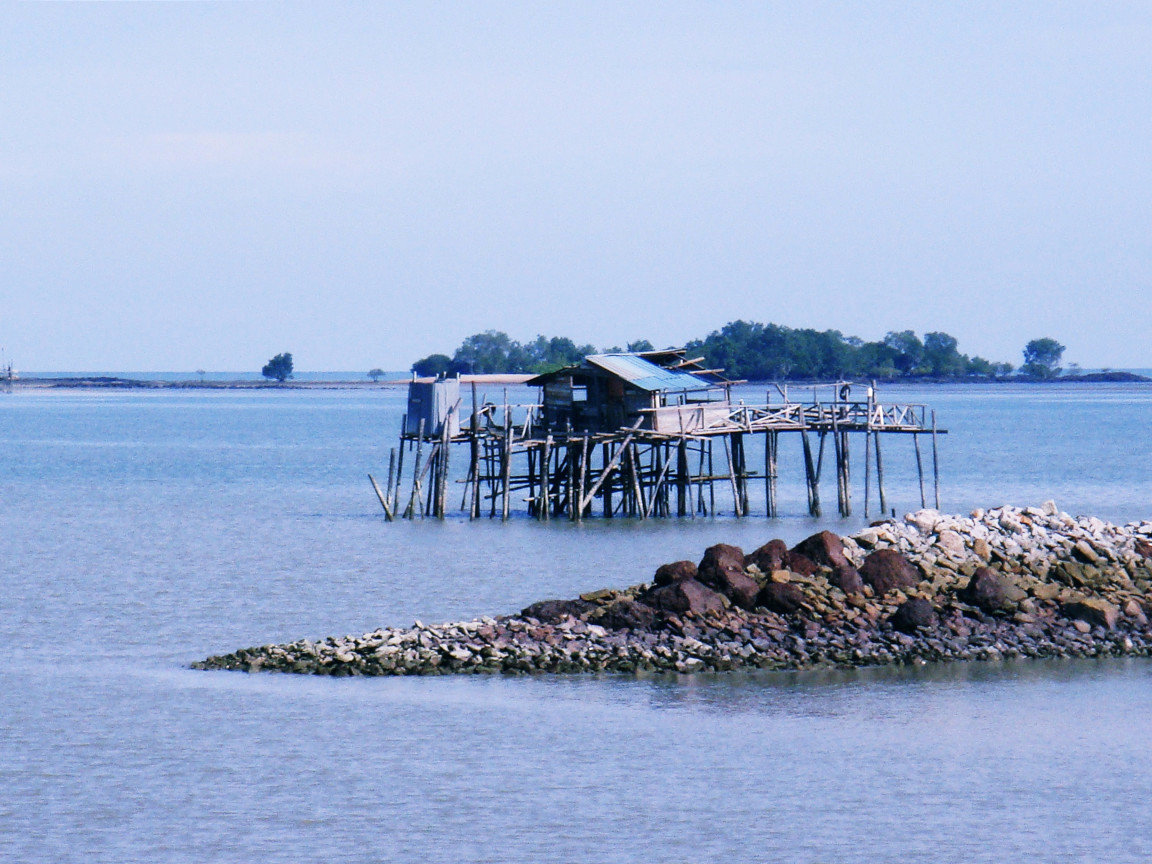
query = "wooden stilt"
x=442 y=468
x=838 y=452
x=682 y=477
x=740 y=458
x=811 y=473
x=711 y=482
x=492 y=464
x=382 y=497
x=656 y=498
x=544 y=484
x=474 y=457
x=410 y=512
x=846 y=450
x=867 y=468
x=606 y=456
x=388 y=489
x=399 y=466
x=582 y=472
x=919 y=468
x=637 y=492
x=820 y=459
x=880 y=478
x=935 y=463
x=732 y=475
x=559 y=498
x=506 y=503
x=699 y=508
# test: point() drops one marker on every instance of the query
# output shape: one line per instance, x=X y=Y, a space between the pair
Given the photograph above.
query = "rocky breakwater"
x=1001 y=583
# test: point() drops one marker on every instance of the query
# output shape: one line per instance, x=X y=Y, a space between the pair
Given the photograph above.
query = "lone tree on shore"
x=1042 y=358
x=279 y=367
x=375 y=374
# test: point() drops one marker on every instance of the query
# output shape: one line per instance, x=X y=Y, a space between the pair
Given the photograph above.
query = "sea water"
x=140 y=531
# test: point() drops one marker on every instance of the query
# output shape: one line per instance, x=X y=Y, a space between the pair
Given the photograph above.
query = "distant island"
x=752 y=351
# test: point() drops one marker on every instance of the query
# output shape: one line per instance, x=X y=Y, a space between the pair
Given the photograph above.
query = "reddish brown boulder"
x=770 y=557
x=677 y=571
x=913 y=615
x=986 y=589
x=722 y=569
x=717 y=559
x=625 y=614
x=886 y=569
x=847 y=579
x=551 y=611
x=799 y=563
x=782 y=597
x=825 y=549
x=740 y=588
x=687 y=595
x=1144 y=548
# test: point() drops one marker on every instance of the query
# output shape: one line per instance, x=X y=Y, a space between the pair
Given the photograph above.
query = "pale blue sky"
x=204 y=185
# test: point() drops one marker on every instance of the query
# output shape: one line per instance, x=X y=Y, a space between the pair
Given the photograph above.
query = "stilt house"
x=663 y=390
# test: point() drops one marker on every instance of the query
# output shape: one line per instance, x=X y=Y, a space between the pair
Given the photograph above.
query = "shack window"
x=579 y=393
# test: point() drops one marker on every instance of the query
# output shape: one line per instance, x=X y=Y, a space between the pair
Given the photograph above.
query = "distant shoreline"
x=109 y=382
x=105 y=382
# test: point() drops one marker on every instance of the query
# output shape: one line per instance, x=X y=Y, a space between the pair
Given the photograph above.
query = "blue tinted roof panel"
x=646 y=375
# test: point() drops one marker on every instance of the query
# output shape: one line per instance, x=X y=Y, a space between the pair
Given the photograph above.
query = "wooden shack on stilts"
x=646 y=435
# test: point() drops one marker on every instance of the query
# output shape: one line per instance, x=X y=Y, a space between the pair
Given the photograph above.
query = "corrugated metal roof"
x=646 y=375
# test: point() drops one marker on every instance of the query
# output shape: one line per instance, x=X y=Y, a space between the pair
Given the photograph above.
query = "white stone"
x=924 y=520
x=951 y=542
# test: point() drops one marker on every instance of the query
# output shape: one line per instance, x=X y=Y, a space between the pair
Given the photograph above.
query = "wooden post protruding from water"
x=399 y=466
x=474 y=458
x=544 y=478
x=847 y=452
x=839 y=459
x=935 y=463
x=442 y=465
x=880 y=478
x=383 y=498
x=410 y=510
x=810 y=474
x=919 y=468
x=391 y=478
x=682 y=490
x=506 y=465
x=729 y=446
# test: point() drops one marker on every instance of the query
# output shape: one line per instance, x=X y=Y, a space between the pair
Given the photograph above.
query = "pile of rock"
x=1007 y=582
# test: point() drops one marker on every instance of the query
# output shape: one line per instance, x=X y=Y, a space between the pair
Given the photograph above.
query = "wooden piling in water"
x=544 y=478
x=919 y=467
x=935 y=463
x=811 y=474
x=506 y=467
x=390 y=510
x=880 y=479
x=399 y=466
x=409 y=511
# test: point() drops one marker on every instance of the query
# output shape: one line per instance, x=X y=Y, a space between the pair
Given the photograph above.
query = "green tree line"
x=762 y=352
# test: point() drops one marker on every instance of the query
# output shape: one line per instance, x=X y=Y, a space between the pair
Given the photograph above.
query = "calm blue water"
x=142 y=531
